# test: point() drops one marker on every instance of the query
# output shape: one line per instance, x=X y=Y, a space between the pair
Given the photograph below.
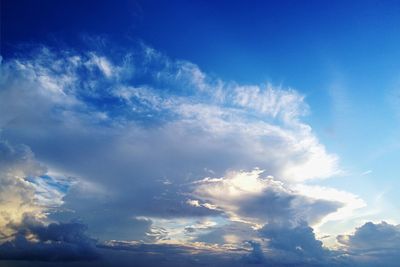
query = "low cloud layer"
x=34 y=241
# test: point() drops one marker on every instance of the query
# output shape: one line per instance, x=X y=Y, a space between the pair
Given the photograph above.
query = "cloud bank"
x=148 y=149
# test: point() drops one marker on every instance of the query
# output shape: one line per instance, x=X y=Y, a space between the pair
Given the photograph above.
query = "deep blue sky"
x=294 y=42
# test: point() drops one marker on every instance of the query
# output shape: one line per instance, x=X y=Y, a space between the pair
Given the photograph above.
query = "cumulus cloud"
x=373 y=244
x=293 y=243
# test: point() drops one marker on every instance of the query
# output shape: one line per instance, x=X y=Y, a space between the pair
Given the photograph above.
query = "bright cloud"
x=250 y=197
x=26 y=189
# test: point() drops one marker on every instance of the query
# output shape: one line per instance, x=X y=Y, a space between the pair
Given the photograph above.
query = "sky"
x=199 y=133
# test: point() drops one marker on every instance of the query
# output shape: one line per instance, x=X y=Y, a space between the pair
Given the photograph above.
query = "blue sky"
x=246 y=133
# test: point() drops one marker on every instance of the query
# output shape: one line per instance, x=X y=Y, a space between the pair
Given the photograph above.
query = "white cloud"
x=274 y=102
x=350 y=202
x=102 y=64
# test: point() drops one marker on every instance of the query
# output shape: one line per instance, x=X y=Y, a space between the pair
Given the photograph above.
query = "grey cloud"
x=296 y=240
x=234 y=232
x=19 y=159
x=281 y=207
x=373 y=244
x=280 y=245
x=256 y=255
x=174 y=255
x=35 y=241
x=294 y=245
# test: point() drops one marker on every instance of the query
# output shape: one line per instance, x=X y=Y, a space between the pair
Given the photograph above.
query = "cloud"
x=370 y=245
x=112 y=118
x=349 y=202
x=374 y=244
x=18 y=196
x=235 y=233
x=293 y=243
x=35 y=241
x=28 y=193
x=160 y=152
x=253 y=198
x=192 y=254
